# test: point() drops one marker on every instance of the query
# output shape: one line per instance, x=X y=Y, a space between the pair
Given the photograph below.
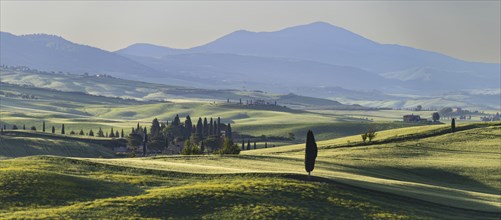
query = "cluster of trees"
x=204 y=136
x=370 y=135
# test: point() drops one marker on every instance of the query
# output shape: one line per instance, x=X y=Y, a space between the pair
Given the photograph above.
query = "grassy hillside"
x=54 y=187
x=458 y=170
x=26 y=143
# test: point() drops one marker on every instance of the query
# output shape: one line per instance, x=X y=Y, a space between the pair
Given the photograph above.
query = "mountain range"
x=316 y=55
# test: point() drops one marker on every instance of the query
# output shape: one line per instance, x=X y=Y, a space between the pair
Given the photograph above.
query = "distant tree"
x=14 y=127
x=445 y=111
x=214 y=130
x=435 y=116
x=145 y=140
x=255 y=145
x=188 y=126
x=211 y=127
x=155 y=128
x=122 y=133
x=112 y=133
x=134 y=139
x=117 y=135
x=248 y=145
x=62 y=129
x=200 y=130
x=265 y=144
x=43 y=126
x=24 y=127
x=5 y=127
x=453 y=125
x=364 y=137
x=100 y=133
x=106 y=134
x=292 y=136
x=218 y=126
x=229 y=132
x=33 y=128
x=81 y=132
x=53 y=129
x=310 y=153
x=72 y=132
x=91 y=133
x=228 y=147
x=206 y=128
x=243 y=144
x=176 y=121
x=419 y=108
x=371 y=135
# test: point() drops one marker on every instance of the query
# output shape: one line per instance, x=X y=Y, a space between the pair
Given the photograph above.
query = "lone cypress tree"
x=265 y=144
x=255 y=145
x=453 y=125
x=24 y=127
x=310 y=153
x=248 y=144
x=43 y=126
x=62 y=129
x=53 y=129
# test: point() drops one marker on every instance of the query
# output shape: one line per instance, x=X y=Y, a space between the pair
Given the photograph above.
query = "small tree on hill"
x=453 y=125
x=243 y=144
x=91 y=133
x=14 y=127
x=62 y=129
x=24 y=127
x=228 y=147
x=371 y=135
x=112 y=133
x=81 y=132
x=435 y=117
x=364 y=137
x=100 y=133
x=72 y=132
x=248 y=145
x=265 y=144
x=43 y=126
x=53 y=129
x=255 y=145
x=310 y=153
x=117 y=135
x=33 y=128
x=122 y=133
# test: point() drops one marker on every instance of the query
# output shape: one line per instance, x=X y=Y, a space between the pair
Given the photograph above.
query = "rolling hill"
x=425 y=173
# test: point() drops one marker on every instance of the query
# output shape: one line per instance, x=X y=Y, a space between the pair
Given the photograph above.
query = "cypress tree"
x=33 y=128
x=62 y=129
x=24 y=127
x=5 y=127
x=188 y=126
x=206 y=128
x=155 y=128
x=117 y=135
x=138 y=128
x=453 y=125
x=255 y=145
x=145 y=140
x=200 y=129
x=243 y=144
x=91 y=133
x=265 y=144
x=229 y=134
x=122 y=133
x=202 y=148
x=214 y=130
x=211 y=127
x=81 y=132
x=53 y=129
x=112 y=133
x=176 y=121
x=14 y=127
x=218 y=126
x=43 y=126
x=100 y=133
x=248 y=145
x=310 y=153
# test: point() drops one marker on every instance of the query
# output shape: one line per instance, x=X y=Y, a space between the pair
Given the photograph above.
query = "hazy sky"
x=466 y=30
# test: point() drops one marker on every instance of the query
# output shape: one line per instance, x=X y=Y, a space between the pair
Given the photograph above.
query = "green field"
x=408 y=173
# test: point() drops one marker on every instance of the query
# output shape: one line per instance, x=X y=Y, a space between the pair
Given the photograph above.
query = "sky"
x=468 y=30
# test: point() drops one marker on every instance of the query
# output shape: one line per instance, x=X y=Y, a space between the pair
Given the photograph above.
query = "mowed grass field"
x=408 y=173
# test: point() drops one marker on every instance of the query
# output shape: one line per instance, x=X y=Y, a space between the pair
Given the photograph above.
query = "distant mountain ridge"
x=305 y=56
